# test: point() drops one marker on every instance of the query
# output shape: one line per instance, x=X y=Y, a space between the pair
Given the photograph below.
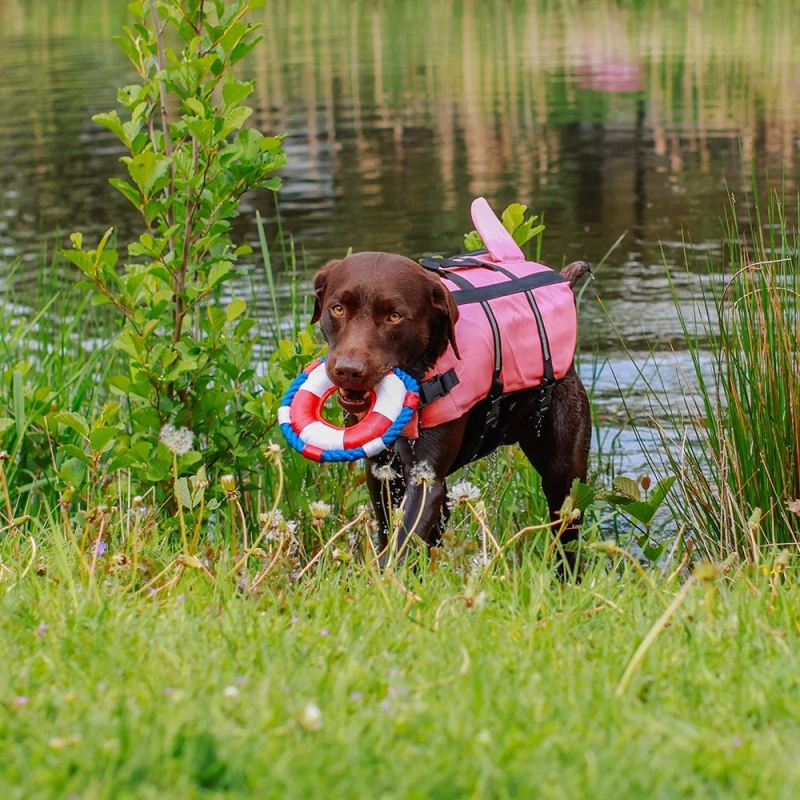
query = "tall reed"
x=738 y=453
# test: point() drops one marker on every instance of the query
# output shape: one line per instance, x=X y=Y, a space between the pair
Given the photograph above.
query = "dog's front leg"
x=386 y=487
x=425 y=463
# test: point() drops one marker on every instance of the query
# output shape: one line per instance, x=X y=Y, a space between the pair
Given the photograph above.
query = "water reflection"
x=608 y=119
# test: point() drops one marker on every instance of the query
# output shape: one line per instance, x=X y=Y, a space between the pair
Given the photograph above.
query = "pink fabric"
x=497 y=239
x=523 y=363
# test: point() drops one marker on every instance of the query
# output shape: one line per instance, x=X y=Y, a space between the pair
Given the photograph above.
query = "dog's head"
x=379 y=311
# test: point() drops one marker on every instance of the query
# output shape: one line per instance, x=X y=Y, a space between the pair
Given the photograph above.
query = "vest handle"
x=498 y=240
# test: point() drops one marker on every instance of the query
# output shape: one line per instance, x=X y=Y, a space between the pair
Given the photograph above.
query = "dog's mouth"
x=355 y=401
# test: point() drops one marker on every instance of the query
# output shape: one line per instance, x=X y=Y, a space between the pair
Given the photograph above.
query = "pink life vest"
x=532 y=308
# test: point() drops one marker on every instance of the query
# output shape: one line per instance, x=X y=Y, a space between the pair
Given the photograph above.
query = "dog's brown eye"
x=395 y=317
x=337 y=310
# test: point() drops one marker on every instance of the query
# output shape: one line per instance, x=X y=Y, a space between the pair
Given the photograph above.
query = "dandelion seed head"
x=479 y=562
x=319 y=510
x=230 y=692
x=177 y=440
x=271 y=519
x=463 y=492
x=422 y=475
x=383 y=473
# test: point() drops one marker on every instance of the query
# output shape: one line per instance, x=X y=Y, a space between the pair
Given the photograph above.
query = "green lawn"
x=204 y=693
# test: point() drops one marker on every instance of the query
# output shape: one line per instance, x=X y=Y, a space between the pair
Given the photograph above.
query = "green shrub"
x=188 y=355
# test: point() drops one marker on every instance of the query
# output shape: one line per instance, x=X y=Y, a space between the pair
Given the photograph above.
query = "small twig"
x=163 y=572
x=32 y=558
x=260 y=577
x=260 y=537
x=519 y=534
x=487 y=534
x=648 y=640
x=330 y=541
x=4 y=483
x=96 y=552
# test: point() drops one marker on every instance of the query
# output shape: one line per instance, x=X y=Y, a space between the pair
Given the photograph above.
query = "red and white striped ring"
x=304 y=415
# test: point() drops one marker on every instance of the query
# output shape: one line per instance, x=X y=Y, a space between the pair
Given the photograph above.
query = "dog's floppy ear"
x=320 y=282
x=444 y=303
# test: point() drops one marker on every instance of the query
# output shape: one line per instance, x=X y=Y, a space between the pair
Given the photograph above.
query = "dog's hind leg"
x=559 y=448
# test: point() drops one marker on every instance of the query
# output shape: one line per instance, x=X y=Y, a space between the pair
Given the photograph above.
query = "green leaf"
x=73 y=472
x=119 y=384
x=641 y=511
x=76 y=452
x=72 y=420
x=235 y=308
x=234 y=120
x=6 y=423
x=628 y=487
x=473 y=241
x=100 y=438
x=235 y=91
x=183 y=494
x=218 y=272
x=216 y=318
x=195 y=106
x=146 y=169
x=233 y=36
x=513 y=216
x=124 y=188
x=112 y=121
x=582 y=495
x=661 y=490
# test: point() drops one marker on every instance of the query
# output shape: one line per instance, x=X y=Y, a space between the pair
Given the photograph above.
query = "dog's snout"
x=350 y=369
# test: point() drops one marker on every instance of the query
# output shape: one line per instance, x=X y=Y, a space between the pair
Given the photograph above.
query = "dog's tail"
x=575 y=271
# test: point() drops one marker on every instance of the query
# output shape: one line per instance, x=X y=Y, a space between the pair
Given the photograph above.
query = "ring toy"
x=393 y=402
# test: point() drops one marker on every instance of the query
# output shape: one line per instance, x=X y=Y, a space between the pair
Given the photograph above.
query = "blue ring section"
x=354 y=453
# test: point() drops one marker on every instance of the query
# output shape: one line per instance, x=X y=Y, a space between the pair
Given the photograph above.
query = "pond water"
x=609 y=118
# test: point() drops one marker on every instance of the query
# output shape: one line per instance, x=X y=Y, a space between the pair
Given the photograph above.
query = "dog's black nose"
x=350 y=369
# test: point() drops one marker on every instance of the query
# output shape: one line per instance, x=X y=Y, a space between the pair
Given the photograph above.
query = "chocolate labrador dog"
x=378 y=311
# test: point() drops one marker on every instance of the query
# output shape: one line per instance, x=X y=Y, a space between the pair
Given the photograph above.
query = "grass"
x=204 y=693
x=136 y=673
x=734 y=438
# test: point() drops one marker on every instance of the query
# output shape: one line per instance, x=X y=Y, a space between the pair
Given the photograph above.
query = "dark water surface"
x=607 y=119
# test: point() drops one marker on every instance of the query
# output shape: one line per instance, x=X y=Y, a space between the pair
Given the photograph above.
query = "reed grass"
x=733 y=435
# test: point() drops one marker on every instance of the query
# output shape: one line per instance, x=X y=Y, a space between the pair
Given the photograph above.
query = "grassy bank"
x=507 y=687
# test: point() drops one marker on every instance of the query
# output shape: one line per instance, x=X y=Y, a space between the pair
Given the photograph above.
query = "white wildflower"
x=230 y=692
x=273 y=451
x=272 y=519
x=177 y=440
x=483 y=737
x=384 y=473
x=463 y=492
x=422 y=475
x=478 y=563
x=311 y=719
x=319 y=510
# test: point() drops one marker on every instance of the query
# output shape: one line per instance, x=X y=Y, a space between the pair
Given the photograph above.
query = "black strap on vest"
x=437 y=386
x=485 y=440
x=496 y=390
x=549 y=381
